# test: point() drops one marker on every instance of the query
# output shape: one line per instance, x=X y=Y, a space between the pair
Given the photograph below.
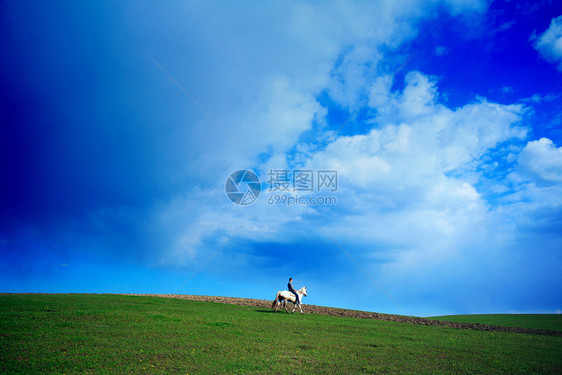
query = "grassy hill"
x=119 y=334
x=535 y=321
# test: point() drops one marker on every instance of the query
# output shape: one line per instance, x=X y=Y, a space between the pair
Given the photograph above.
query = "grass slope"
x=535 y=321
x=128 y=334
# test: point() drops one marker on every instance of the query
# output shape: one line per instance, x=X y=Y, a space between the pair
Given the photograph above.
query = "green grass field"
x=126 y=334
x=536 y=321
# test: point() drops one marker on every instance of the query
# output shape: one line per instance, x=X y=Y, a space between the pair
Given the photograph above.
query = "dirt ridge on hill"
x=334 y=311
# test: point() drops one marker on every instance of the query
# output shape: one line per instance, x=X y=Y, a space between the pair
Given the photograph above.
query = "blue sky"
x=120 y=123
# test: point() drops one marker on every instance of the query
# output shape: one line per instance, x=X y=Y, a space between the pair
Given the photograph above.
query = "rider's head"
x=290 y=279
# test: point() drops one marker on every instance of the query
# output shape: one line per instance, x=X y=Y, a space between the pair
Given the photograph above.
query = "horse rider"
x=292 y=290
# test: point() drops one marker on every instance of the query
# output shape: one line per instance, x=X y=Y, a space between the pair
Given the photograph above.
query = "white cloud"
x=416 y=142
x=476 y=128
x=536 y=98
x=542 y=160
x=505 y=26
x=549 y=44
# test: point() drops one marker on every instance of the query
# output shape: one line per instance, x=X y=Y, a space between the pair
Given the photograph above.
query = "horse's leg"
x=285 y=306
x=278 y=300
x=300 y=307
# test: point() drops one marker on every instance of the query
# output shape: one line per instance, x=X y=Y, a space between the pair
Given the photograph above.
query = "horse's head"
x=303 y=290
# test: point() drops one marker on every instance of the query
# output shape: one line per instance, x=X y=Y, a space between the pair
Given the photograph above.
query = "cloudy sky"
x=121 y=122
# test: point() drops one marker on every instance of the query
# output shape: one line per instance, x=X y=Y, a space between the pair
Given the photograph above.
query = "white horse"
x=285 y=295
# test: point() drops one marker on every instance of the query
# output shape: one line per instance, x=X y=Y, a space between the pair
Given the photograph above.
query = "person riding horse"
x=294 y=296
x=292 y=290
